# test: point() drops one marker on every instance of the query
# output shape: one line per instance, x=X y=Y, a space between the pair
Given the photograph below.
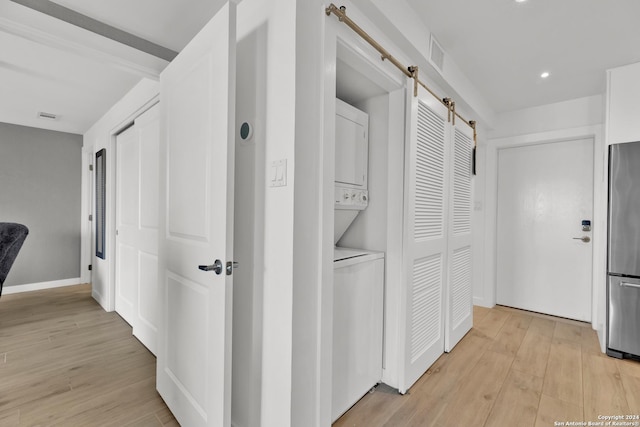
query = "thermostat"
x=246 y=131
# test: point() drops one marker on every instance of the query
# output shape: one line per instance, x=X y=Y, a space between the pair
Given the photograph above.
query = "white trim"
x=482 y=302
x=40 y=28
x=49 y=40
x=29 y=287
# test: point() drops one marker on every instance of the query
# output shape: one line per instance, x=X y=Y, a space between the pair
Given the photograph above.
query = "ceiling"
x=500 y=45
x=503 y=46
x=48 y=65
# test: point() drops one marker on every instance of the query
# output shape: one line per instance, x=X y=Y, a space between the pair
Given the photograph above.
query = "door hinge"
x=90 y=267
x=90 y=217
x=91 y=167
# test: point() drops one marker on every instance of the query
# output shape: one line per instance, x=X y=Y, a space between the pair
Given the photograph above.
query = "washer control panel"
x=350 y=198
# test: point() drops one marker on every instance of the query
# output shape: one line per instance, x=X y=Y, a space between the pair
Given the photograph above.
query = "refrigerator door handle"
x=629 y=285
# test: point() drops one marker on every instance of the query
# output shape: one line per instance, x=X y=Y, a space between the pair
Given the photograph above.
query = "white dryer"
x=351 y=166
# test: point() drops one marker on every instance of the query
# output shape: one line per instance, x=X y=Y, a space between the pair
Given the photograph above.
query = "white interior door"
x=127 y=223
x=459 y=316
x=137 y=226
x=545 y=191
x=196 y=219
x=425 y=237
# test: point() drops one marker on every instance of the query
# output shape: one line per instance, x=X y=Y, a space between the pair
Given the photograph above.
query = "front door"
x=545 y=191
x=197 y=101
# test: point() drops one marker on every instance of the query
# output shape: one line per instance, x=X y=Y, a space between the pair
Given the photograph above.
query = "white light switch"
x=278 y=173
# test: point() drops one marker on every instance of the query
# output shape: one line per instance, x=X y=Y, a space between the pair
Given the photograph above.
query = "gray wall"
x=40 y=178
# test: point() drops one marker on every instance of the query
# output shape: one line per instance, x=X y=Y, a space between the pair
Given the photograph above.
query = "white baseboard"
x=482 y=302
x=100 y=299
x=40 y=286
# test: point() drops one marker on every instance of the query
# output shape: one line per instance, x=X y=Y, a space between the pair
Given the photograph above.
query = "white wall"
x=99 y=136
x=580 y=118
x=249 y=188
x=587 y=111
x=276 y=21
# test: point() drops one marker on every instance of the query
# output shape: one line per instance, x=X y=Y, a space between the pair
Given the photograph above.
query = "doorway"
x=544 y=256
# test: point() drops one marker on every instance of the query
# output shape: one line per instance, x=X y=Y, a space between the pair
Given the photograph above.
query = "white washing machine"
x=358 y=287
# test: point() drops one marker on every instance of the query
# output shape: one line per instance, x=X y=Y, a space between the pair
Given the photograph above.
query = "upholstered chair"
x=11 y=238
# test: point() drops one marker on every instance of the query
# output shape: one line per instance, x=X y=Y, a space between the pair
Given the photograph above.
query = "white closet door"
x=137 y=226
x=459 y=312
x=425 y=237
x=127 y=223
x=145 y=327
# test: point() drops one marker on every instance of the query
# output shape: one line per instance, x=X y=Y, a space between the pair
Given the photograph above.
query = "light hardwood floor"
x=514 y=368
x=66 y=362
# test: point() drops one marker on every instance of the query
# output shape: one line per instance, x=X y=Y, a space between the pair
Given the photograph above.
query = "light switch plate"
x=278 y=173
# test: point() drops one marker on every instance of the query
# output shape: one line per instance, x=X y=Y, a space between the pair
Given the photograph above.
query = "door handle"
x=216 y=267
x=585 y=239
x=629 y=285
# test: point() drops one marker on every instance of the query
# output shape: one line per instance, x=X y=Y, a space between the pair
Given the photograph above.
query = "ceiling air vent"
x=436 y=54
x=47 y=116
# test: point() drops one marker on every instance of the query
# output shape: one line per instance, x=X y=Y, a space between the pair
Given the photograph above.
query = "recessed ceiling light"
x=544 y=75
x=520 y=1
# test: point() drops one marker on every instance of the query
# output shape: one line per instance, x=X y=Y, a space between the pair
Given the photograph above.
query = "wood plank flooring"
x=66 y=362
x=514 y=368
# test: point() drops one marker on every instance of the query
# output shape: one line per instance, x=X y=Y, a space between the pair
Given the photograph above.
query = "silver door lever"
x=585 y=239
x=216 y=267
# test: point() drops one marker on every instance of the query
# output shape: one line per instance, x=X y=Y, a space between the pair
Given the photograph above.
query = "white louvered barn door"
x=459 y=313
x=425 y=236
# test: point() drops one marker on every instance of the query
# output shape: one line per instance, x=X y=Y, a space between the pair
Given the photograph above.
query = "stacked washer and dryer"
x=358 y=273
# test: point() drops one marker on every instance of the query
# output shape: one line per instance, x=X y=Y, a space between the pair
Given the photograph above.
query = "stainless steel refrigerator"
x=623 y=261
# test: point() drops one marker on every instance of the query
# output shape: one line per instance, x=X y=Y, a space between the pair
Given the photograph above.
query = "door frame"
x=112 y=182
x=486 y=296
x=341 y=42
x=87 y=250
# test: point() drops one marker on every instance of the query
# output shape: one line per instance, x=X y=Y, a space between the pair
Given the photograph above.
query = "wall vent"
x=47 y=116
x=436 y=54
